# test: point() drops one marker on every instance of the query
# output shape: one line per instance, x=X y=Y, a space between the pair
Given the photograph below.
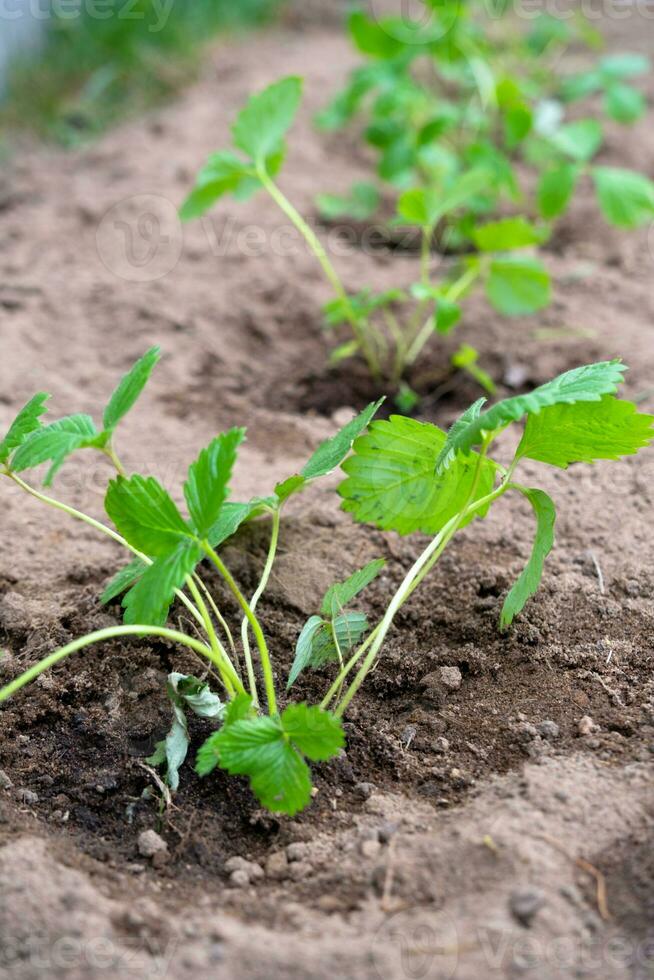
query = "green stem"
x=228 y=674
x=425 y=254
x=98 y=637
x=110 y=452
x=263 y=584
x=427 y=330
x=97 y=526
x=358 y=324
x=222 y=622
x=269 y=681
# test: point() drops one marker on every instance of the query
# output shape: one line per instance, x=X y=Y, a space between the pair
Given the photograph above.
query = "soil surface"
x=499 y=827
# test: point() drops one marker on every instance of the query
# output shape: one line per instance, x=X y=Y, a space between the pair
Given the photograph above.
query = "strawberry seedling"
x=390 y=329
x=403 y=475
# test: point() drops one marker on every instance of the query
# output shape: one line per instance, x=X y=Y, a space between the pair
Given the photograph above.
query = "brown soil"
x=447 y=840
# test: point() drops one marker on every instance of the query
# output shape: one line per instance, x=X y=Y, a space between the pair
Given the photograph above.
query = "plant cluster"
x=400 y=475
x=455 y=114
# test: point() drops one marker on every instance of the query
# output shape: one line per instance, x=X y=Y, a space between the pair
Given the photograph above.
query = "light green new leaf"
x=260 y=127
x=507 y=234
x=124 y=579
x=148 y=601
x=223 y=173
x=624 y=103
x=391 y=481
x=624 y=65
x=555 y=189
x=303 y=648
x=371 y=37
x=206 y=488
x=146 y=515
x=27 y=421
x=626 y=198
x=584 y=433
x=341 y=594
x=54 y=443
x=129 y=389
x=518 y=286
x=529 y=581
x=578 y=140
x=360 y=204
x=329 y=453
x=583 y=384
x=317 y=733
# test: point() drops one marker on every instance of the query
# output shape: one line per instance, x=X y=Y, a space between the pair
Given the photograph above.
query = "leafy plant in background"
x=403 y=475
x=390 y=329
x=447 y=92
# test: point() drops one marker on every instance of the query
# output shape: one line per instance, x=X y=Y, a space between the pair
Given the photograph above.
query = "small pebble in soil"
x=27 y=796
x=299 y=870
x=524 y=903
x=363 y=790
x=297 y=851
x=253 y=870
x=239 y=879
x=277 y=865
x=5 y=781
x=440 y=745
x=548 y=729
x=370 y=848
x=586 y=726
x=151 y=845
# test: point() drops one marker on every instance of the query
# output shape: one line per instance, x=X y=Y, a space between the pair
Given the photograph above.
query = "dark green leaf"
x=129 y=389
x=146 y=515
x=317 y=733
x=527 y=584
x=26 y=422
x=232 y=515
x=124 y=579
x=320 y=641
x=148 y=601
x=333 y=451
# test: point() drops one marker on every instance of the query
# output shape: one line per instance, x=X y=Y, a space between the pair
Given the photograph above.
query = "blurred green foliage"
x=109 y=59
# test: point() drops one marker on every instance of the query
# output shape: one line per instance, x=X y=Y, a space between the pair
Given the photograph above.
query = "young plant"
x=256 y=738
x=403 y=475
x=445 y=92
x=390 y=329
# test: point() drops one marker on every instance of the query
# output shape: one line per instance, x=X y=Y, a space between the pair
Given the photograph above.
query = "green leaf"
x=466 y=359
x=54 y=443
x=624 y=103
x=185 y=692
x=529 y=581
x=26 y=422
x=146 y=515
x=341 y=594
x=129 y=389
x=206 y=488
x=507 y=234
x=518 y=286
x=320 y=641
x=371 y=37
x=232 y=515
x=223 y=173
x=583 y=384
x=624 y=65
x=304 y=648
x=555 y=189
x=360 y=204
x=447 y=315
x=329 y=453
x=625 y=197
x=258 y=748
x=518 y=121
x=260 y=127
x=426 y=206
x=123 y=580
x=579 y=140
x=391 y=481
x=584 y=433
x=317 y=733
x=148 y=601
